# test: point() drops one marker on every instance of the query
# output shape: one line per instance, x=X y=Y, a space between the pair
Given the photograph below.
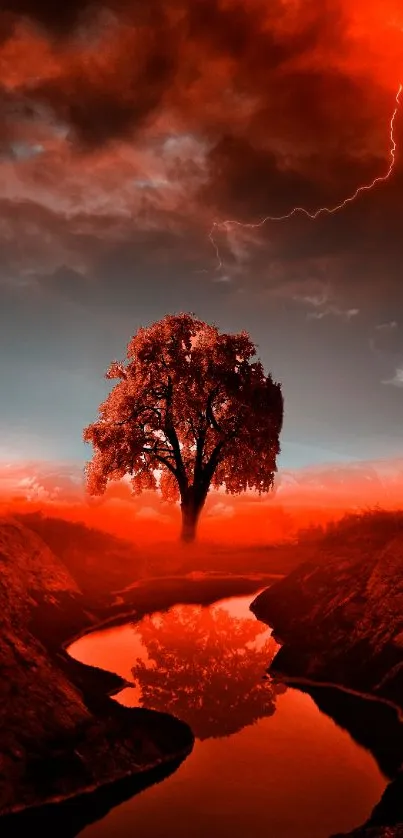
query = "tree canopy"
x=206 y=667
x=192 y=408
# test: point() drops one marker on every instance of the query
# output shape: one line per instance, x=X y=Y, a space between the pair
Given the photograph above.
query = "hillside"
x=59 y=732
x=97 y=561
x=339 y=617
x=101 y=563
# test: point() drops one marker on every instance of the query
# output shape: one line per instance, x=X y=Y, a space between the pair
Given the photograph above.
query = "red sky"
x=302 y=497
x=127 y=129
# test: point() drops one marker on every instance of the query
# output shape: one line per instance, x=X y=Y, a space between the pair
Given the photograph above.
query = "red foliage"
x=192 y=409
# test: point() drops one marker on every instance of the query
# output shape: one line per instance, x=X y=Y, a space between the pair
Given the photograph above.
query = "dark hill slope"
x=342 y=621
x=59 y=732
x=339 y=617
x=98 y=561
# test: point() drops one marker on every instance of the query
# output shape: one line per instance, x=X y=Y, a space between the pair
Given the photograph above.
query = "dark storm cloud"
x=65 y=18
x=59 y=18
x=105 y=93
x=151 y=49
x=163 y=56
x=250 y=32
x=272 y=93
x=114 y=102
x=323 y=157
x=245 y=180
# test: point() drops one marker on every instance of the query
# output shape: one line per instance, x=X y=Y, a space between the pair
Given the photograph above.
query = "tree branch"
x=209 y=411
x=171 y=434
x=153 y=410
x=158 y=445
x=198 y=467
x=192 y=426
x=172 y=448
x=212 y=463
x=162 y=460
x=135 y=414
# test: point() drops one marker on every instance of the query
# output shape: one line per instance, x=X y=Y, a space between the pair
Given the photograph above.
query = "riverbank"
x=340 y=621
x=258 y=746
x=61 y=734
x=159 y=593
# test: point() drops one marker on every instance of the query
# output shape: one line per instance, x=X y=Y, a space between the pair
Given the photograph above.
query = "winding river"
x=267 y=761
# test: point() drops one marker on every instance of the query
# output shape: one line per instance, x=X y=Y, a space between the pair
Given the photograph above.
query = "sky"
x=130 y=132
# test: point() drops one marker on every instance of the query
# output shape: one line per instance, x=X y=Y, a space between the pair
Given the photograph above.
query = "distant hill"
x=97 y=561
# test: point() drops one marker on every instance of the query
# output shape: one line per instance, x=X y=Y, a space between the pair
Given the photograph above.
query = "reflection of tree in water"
x=206 y=667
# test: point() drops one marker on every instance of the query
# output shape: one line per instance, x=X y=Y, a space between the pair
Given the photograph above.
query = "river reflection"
x=205 y=666
x=265 y=760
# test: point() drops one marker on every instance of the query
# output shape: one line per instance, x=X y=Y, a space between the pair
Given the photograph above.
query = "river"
x=266 y=760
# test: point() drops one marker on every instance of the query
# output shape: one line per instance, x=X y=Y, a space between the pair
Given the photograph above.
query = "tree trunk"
x=192 y=502
x=190 y=517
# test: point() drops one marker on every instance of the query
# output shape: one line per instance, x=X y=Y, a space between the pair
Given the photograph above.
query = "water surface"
x=266 y=760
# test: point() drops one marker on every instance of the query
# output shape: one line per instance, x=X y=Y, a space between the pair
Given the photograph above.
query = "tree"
x=206 y=667
x=192 y=409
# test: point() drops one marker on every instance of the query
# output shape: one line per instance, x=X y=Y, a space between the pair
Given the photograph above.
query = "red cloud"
x=305 y=496
x=165 y=115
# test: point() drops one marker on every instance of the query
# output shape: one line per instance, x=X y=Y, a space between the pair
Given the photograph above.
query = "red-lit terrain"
x=301 y=498
x=58 y=724
x=339 y=616
x=339 y=613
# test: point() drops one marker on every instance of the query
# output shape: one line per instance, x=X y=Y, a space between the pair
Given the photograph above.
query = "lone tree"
x=192 y=409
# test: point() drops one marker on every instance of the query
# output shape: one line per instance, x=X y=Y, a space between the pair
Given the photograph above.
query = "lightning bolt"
x=226 y=225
